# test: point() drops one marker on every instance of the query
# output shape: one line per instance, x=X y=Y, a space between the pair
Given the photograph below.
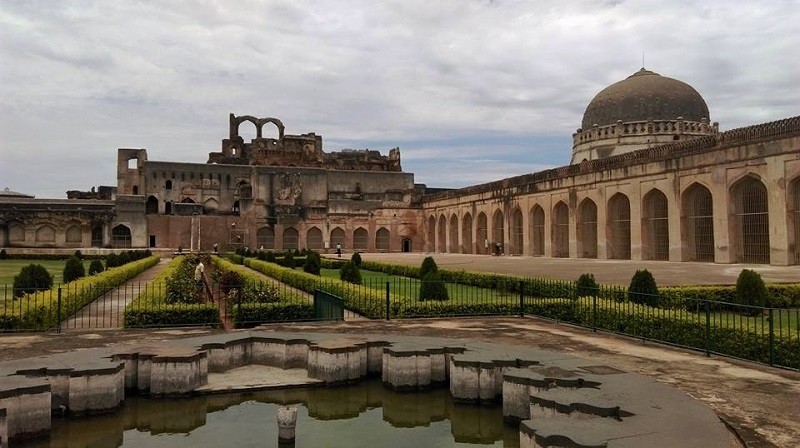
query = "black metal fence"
x=762 y=334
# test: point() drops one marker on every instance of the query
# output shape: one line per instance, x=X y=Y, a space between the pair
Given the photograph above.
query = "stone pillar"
x=779 y=222
x=635 y=201
x=676 y=244
x=724 y=231
x=287 y=422
x=602 y=225
x=573 y=230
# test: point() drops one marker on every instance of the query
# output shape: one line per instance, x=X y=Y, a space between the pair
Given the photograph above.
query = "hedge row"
x=779 y=295
x=39 y=311
x=363 y=300
x=151 y=310
x=289 y=307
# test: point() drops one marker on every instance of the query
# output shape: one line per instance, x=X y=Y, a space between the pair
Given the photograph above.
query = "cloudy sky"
x=469 y=91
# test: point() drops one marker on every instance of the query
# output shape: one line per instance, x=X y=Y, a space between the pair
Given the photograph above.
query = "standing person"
x=216 y=248
x=198 y=276
x=339 y=250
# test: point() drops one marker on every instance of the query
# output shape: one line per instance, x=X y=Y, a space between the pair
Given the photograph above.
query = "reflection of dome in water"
x=643 y=96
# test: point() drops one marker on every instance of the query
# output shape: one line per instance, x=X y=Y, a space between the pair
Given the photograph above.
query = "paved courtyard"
x=616 y=272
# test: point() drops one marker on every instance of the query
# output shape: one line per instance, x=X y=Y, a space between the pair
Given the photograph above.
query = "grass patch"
x=10 y=268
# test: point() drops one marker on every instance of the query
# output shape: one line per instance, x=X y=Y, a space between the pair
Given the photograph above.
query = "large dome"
x=643 y=96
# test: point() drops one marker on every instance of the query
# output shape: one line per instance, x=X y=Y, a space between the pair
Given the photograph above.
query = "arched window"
x=45 y=234
x=382 y=240
x=168 y=185
x=236 y=207
x=751 y=221
x=655 y=226
x=560 y=230
x=290 y=237
x=187 y=201
x=441 y=234
x=121 y=236
x=454 y=234
x=697 y=226
x=135 y=189
x=337 y=237
x=97 y=236
x=619 y=224
x=167 y=208
x=794 y=204
x=314 y=238
x=482 y=239
x=360 y=239
x=151 y=206
x=74 y=236
x=498 y=231
x=466 y=235
x=516 y=232
x=587 y=229
x=537 y=230
x=265 y=237
x=431 y=234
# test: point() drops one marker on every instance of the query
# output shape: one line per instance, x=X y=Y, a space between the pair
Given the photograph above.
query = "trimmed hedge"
x=39 y=311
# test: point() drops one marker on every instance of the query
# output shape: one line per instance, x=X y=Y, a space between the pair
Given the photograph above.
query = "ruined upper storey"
x=304 y=150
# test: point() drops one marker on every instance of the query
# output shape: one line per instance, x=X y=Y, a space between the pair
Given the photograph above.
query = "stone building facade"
x=651 y=178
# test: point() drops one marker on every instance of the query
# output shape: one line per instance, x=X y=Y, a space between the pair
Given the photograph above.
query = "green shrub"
x=586 y=285
x=3 y=254
x=356 y=259
x=643 y=288
x=428 y=266
x=31 y=278
x=96 y=267
x=73 y=270
x=750 y=290
x=270 y=257
x=350 y=273
x=288 y=260
x=432 y=288
x=259 y=292
x=312 y=263
x=78 y=254
x=230 y=280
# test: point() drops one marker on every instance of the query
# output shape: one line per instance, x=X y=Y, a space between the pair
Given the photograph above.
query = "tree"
x=433 y=288
x=428 y=266
x=96 y=267
x=356 y=259
x=78 y=254
x=750 y=290
x=349 y=272
x=643 y=288
x=288 y=260
x=33 y=277
x=586 y=285
x=312 y=263
x=73 y=270
x=3 y=254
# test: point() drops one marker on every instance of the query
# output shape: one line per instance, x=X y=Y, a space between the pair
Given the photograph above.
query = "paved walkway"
x=108 y=311
x=612 y=272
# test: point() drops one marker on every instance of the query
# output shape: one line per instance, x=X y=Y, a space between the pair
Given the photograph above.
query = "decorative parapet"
x=788 y=127
x=651 y=127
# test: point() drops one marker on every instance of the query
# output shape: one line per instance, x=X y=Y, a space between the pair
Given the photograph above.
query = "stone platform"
x=555 y=399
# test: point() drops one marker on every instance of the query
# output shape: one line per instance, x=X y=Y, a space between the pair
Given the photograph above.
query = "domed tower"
x=643 y=110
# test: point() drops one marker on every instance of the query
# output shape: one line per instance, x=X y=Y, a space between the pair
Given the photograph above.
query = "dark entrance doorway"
x=152 y=241
x=406 y=245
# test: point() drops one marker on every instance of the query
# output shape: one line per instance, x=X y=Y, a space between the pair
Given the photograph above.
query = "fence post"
x=58 y=311
x=594 y=311
x=238 y=305
x=521 y=298
x=708 y=328
x=387 y=301
x=771 y=340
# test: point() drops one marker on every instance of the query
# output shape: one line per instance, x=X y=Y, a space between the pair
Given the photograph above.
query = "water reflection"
x=147 y=420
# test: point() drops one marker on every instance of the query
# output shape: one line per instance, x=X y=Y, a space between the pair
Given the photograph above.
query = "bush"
x=96 y=267
x=288 y=260
x=270 y=257
x=643 y=288
x=78 y=254
x=433 y=288
x=586 y=285
x=350 y=273
x=3 y=254
x=230 y=280
x=428 y=266
x=312 y=263
x=356 y=259
x=73 y=270
x=33 y=277
x=750 y=290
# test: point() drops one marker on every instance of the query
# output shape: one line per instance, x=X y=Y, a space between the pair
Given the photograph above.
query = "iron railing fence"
x=762 y=334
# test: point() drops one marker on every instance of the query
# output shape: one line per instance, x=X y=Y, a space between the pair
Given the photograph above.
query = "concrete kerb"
x=525 y=380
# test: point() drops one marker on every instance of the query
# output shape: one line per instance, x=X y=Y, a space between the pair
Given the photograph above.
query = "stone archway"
x=537 y=230
x=587 y=229
x=560 y=231
x=697 y=223
x=121 y=236
x=453 y=230
x=619 y=226
x=382 y=239
x=314 y=238
x=750 y=219
x=441 y=235
x=517 y=228
x=482 y=239
x=655 y=226
x=468 y=246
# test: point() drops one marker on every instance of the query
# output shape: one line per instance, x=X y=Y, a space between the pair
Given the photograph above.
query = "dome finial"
x=642 y=59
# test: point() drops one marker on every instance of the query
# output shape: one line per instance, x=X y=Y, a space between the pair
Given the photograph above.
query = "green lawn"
x=409 y=288
x=10 y=268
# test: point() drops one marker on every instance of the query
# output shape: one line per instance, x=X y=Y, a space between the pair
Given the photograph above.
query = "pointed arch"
x=586 y=229
x=560 y=230
x=441 y=235
x=655 y=226
x=750 y=218
x=97 y=235
x=537 y=230
x=265 y=237
x=619 y=226
x=74 y=236
x=431 y=234
x=453 y=234
x=45 y=234
x=314 y=238
x=498 y=229
x=16 y=232
x=121 y=236
x=151 y=206
x=211 y=205
x=482 y=234
x=517 y=228
x=382 y=240
x=290 y=238
x=793 y=203
x=467 y=246
x=337 y=237
x=697 y=223
x=360 y=239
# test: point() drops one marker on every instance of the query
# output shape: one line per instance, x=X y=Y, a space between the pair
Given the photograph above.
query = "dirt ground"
x=761 y=403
